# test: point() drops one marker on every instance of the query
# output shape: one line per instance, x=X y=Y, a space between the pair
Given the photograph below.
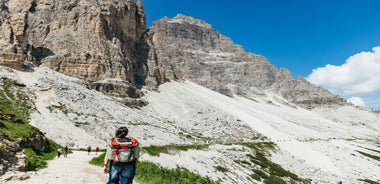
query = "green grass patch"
x=370 y=181
x=221 y=169
x=261 y=173
x=242 y=162
x=377 y=151
x=150 y=173
x=17 y=130
x=34 y=161
x=37 y=159
x=14 y=111
x=369 y=155
x=274 y=180
x=156 y=150
x=266 y=169
x=98 y=161
x=255 y=177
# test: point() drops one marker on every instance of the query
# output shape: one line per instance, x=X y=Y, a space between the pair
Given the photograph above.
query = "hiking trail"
x=75 y=168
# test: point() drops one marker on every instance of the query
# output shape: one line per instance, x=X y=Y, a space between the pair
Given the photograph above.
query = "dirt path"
x=73 y=169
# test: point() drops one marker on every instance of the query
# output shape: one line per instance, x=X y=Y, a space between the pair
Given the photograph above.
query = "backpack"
x=125 y=149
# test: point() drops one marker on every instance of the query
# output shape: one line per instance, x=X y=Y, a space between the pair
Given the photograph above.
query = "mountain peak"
x=180 y=18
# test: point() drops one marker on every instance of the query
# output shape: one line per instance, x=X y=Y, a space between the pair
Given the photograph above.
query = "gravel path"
x=73 y=169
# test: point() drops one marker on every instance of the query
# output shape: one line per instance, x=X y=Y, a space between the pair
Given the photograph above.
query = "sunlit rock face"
x=187 y=48
x=92 y=39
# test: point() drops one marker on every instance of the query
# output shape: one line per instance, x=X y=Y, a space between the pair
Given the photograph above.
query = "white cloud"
x=359 y=75
x=356 y=101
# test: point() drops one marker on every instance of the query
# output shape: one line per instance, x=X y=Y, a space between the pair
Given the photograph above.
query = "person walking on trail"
x=88 y=149
x=96 y=150
x=65 y=151
x=122 y=154
x=59 y=151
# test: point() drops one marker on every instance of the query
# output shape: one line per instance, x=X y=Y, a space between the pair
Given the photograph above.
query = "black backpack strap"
x=132 y=153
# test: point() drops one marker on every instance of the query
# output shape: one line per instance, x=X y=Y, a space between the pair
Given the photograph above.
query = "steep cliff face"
x=186 y=48
x=92 y=39
x=106 y=43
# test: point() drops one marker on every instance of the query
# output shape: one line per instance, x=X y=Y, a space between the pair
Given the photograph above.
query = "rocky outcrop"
x=306 y=94
x=187 y=48
x=91 y=39
x=36 y=141
x=12 y=157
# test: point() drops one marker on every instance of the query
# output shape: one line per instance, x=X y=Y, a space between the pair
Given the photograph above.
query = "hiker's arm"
x=105 y=163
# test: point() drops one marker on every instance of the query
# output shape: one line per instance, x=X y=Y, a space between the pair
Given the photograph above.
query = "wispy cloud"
x=359 y=76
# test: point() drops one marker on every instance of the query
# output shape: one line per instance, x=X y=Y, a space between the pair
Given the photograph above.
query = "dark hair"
x=121 y=132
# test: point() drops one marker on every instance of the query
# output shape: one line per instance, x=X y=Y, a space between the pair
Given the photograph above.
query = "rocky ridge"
x=106 y=43
x=184 y=48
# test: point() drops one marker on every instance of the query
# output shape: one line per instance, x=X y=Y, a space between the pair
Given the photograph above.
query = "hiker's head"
x=121 y=132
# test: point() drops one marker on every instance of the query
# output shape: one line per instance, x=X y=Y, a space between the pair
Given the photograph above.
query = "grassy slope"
x=14 y=125
x=150 y=173
x=262 y=168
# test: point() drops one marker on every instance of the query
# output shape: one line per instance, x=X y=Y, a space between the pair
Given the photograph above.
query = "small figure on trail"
x=96 y=150
x=122 y=154
x=59 y=151
x=65 y=151
x=88 y=149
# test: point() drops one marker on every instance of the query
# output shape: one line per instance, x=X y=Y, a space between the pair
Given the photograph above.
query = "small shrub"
x=274 y=180
x=261 y=173
x=370 y=155
x=34 y=161
x=221 y=168
x=156 y=150
x=255 y=177
x=257 y=162
x=370 y=181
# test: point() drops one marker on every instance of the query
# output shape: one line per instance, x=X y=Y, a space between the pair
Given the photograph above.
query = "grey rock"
x=184 y=48
x=90 y=39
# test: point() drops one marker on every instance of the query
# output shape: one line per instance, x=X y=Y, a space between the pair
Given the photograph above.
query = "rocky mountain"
x=187 y=48
x=103 y=40
x=81 y=60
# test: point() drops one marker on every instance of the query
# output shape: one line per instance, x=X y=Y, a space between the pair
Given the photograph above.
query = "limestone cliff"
x=91 y=39
x=106 y=43
x=187 y=48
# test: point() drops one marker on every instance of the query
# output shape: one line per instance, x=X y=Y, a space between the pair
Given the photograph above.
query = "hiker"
x=122 y=154
x=88 y=149
x=59 y=151
x=65 y=150
x=96 y=150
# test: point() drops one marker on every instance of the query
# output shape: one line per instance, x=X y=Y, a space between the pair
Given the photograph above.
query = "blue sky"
x=300 y=35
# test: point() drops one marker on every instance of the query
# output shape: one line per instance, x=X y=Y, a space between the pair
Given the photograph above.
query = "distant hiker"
x=59 y=151
x=65 y=151
x=88 y=149
x=122 y=154
x=96 y=150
